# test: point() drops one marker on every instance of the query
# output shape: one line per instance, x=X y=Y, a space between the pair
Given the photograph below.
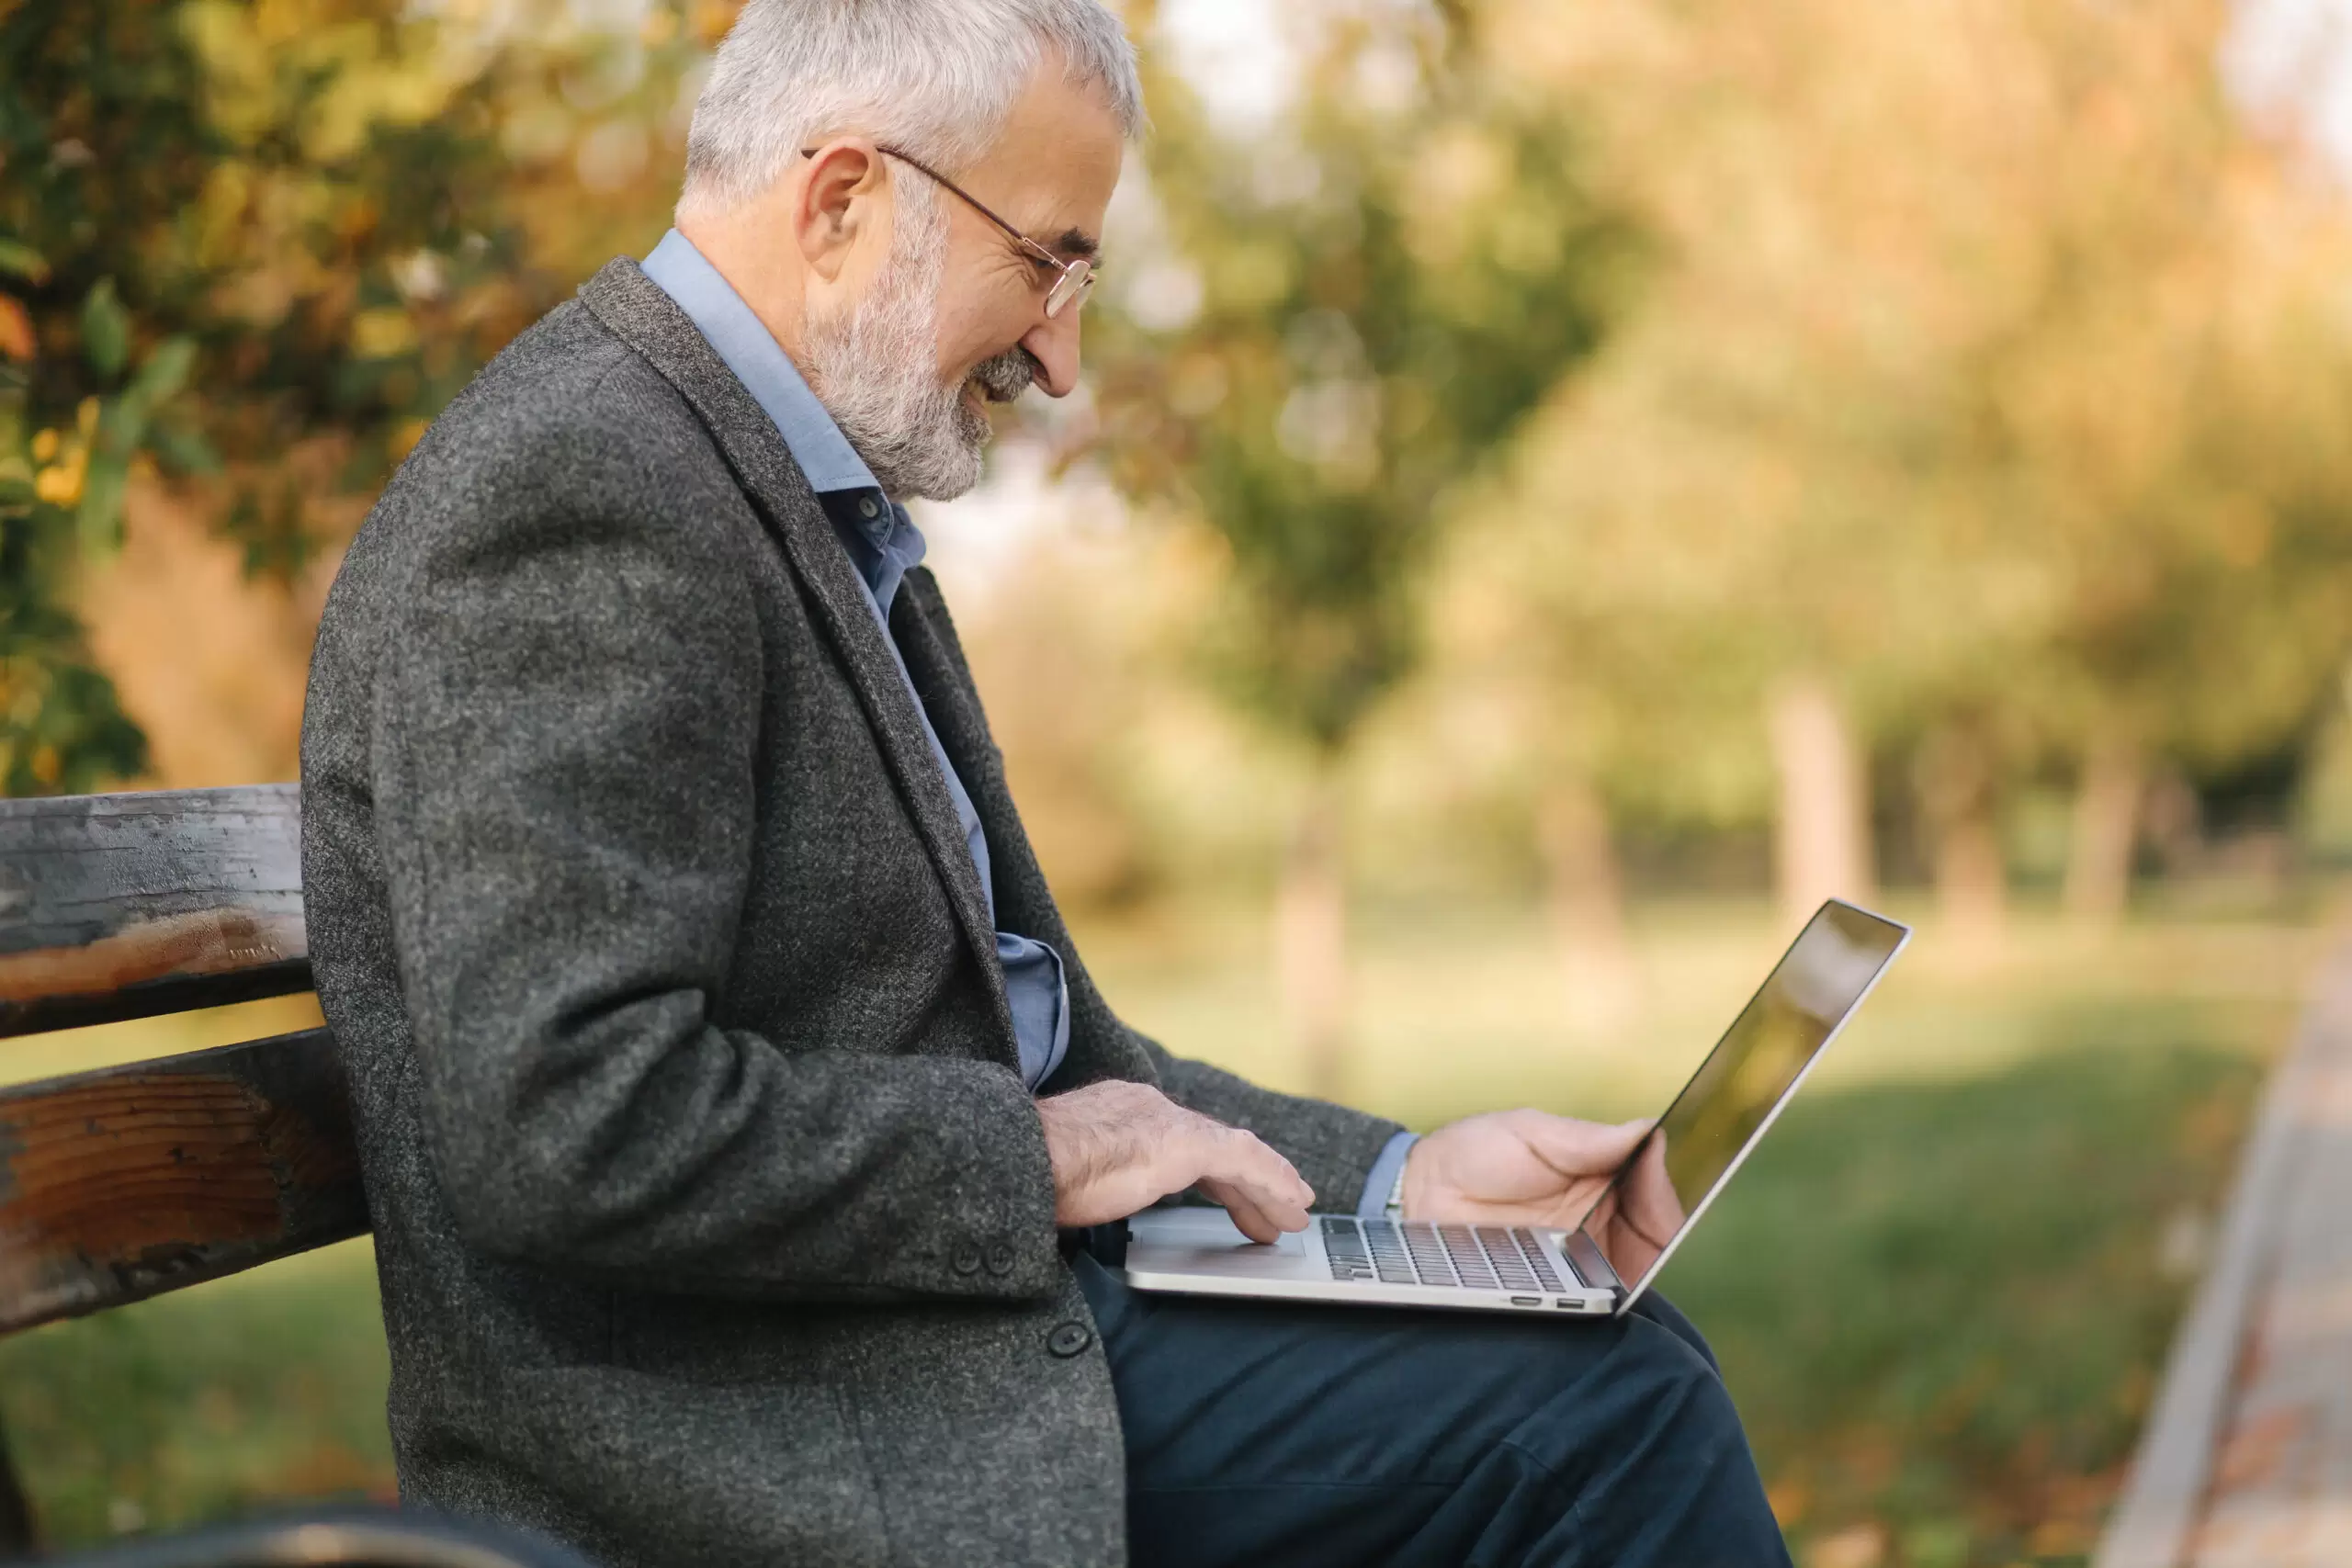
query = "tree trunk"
x=1311 y=934
x=1957 y=795
x=1823 y=830
x=2106 y=831
x=1586 y=895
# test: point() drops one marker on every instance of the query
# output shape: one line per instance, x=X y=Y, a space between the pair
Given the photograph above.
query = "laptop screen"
x=1726 y=1107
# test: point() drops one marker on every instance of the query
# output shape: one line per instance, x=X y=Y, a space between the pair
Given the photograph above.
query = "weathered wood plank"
x=125 y=1183
x=127 y=905
x=2224 y=1425
x=338 y=1538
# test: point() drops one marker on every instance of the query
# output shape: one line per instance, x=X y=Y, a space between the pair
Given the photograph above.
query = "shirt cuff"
x=1377 y=1186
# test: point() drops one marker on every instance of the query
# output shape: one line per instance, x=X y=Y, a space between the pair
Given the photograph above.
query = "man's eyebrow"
x=1078 y=244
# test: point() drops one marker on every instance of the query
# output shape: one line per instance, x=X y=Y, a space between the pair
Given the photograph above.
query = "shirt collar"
x=750 y=350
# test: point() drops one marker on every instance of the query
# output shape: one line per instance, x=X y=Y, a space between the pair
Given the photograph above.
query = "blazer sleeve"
x=564 y=705
x=1333 y=1146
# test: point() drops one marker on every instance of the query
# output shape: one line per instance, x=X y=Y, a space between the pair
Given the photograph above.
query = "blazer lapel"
x=643 y=315
x=1100 y=1045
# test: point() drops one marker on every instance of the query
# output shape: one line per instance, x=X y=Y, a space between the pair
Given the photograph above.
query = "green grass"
x=1942 y=1292
x=1941 y=1306
x=225 y=1399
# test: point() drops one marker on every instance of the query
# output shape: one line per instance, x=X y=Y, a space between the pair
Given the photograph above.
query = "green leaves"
x=20 y=260
x=106 y=329
x=1370 y=334
x=201 y=203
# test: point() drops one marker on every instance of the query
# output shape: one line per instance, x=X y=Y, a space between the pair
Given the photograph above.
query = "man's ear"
x=839 y=197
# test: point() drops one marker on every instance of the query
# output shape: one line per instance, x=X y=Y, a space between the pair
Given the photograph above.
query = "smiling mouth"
x=981 y=393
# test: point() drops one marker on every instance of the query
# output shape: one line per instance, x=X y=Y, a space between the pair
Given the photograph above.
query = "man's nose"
x=1053 y=343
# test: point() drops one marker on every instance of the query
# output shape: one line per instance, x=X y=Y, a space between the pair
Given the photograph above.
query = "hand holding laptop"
x=1489 y=1202
x=1530 y=1167
x=1118 y=1147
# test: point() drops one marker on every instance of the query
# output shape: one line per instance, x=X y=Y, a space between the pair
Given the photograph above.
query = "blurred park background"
x=1559 y=489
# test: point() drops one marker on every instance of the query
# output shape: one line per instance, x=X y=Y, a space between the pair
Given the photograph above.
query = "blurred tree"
x=249 y=250
x=1371 y=297
x=1996 y=371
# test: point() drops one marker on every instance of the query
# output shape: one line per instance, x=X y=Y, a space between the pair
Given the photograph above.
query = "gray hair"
x=935 y=77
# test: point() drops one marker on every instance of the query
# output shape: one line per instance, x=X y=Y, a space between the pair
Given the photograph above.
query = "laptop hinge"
x=1584 y=1255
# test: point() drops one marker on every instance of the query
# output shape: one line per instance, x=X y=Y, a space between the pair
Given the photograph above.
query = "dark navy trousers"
x=1261 y=1432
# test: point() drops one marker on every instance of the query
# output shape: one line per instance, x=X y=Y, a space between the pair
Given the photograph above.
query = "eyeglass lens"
x=1075 y=284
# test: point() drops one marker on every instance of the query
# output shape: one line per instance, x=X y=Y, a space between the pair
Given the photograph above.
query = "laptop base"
x=1349 y=1261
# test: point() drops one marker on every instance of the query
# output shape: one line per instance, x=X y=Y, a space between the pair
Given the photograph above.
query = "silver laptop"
x=1721 y=1115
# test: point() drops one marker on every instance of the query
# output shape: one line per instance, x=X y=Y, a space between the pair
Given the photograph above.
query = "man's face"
x=952 y=317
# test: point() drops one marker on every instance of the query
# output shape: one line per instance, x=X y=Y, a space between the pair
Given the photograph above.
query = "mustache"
x=1006 y=376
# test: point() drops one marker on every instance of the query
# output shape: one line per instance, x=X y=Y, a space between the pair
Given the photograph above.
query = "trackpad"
x=1207 y=1241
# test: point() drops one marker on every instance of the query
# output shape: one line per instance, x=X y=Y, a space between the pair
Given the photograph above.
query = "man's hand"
x=1529 y=1167
x=1119 y=1147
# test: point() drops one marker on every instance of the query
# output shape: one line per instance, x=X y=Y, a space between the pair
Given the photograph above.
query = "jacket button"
x=967 y=1259
x=1001 y=1258
x=1068 y=1340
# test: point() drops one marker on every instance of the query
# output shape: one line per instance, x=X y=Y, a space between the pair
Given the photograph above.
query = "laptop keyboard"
x=1476 y=1257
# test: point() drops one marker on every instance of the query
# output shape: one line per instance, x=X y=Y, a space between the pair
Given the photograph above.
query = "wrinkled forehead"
x=1052 y=168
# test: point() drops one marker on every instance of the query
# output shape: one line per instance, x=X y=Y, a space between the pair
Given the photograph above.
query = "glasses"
x=1073 y=281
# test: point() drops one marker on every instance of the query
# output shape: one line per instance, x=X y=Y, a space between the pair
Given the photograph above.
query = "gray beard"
x=876 y=372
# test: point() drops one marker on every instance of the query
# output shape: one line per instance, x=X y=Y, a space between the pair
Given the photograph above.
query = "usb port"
x=1527 y=1300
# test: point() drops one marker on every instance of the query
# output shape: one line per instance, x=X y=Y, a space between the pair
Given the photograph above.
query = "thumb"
x=1584 y=1148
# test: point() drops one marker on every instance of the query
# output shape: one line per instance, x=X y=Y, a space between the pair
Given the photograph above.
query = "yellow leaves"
x=65 y=459
x=405 y=438
x=260 y=58
x=355 y=220
x=237 y=58
x=370 y=90
x=62 y=485
x=16 y=339
x=61 y=482
x=220 y=210
x=384 y=333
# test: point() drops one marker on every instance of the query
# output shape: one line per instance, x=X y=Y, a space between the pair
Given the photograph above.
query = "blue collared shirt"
x=885 y=544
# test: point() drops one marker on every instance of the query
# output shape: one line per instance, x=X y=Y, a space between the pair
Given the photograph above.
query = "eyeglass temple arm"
x=1040 y=252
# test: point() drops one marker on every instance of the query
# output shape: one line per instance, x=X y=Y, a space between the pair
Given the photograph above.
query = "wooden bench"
x=2246 y=1460
x=124 y=1184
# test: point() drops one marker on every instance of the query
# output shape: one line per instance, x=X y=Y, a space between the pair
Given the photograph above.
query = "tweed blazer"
x=714 y=1222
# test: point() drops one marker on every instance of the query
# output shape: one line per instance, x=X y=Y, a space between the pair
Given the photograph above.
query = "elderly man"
x=726 y=1079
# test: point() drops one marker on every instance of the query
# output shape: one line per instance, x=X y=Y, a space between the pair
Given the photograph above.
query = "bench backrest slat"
x=125 y=906
x=133 y=1180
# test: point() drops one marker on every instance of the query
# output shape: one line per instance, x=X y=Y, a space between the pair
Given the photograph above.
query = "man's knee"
x=1635 y=1457
x=1655 y=1407
x=1671 y=1380
x=1667 y=1315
